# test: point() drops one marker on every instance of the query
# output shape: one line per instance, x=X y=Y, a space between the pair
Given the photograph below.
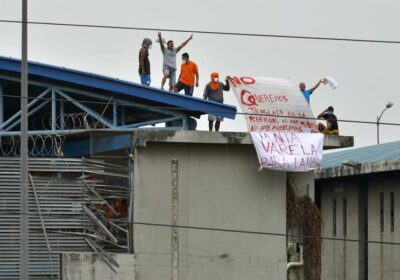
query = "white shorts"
x=212 y=118
x=171 y=74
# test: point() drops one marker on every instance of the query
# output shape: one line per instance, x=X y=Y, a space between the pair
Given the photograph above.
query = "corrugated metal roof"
x=387 y=151
x=111 y=86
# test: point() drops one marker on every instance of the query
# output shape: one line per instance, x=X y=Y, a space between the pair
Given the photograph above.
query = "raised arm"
x=184 y=43
x=316 y=86
x=321 y=116
x=161 y=42
x=227 y=87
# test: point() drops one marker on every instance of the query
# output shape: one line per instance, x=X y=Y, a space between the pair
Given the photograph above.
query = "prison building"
x=122 y=186
x=359 y=197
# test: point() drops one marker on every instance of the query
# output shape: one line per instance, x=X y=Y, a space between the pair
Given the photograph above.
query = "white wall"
x=219 y=187
x=87 y=266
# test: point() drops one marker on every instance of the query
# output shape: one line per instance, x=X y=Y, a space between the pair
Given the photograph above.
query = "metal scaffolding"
x=74 y=205
x=58 y=110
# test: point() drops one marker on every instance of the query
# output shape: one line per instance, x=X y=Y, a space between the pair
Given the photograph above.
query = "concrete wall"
x=86 y=266
x=303 y=183
x=383 y=260
x=346 y=260
x=340 y=259
x=219 y=187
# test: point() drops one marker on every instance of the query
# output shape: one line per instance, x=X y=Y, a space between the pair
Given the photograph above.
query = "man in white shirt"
x=169 y=57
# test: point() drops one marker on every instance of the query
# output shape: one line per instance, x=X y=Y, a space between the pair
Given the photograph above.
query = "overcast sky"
x=367 y=73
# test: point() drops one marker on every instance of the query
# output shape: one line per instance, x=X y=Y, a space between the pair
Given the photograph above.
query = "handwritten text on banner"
x=280 y=122
x=288 y=151
x=277 y=105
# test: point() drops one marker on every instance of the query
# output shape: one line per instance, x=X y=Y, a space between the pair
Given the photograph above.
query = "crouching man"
x=331 y=127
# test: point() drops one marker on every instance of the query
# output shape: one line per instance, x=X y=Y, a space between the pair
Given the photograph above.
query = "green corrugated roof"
x=387 y=151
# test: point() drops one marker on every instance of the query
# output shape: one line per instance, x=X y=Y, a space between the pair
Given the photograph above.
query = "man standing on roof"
x=169 y=60
x=308 y=92
x=214 y=91
x=189 y=76
x=332 y=127
x=144 y=62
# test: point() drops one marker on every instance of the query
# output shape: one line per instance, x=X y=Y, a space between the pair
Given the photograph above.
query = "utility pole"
x=24 y=217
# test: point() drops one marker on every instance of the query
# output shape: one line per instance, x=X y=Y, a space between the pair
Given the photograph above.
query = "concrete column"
x=185 y=123
x=115 y=114
x=53 y=110
x=123 y=116
x=62 y=114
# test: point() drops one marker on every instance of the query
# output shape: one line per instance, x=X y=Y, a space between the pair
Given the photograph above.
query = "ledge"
x=361 y=169
x=337 y=142
x=141 y=137
x=100 y=141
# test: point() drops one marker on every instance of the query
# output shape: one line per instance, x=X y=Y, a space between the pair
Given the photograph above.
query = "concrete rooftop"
x=141 y=137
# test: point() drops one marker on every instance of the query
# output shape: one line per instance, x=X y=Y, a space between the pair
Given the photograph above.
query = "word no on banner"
x=276 y=105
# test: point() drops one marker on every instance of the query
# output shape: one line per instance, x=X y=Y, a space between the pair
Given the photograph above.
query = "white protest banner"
x=281 y=123
x=281 y=104
x=288 y=151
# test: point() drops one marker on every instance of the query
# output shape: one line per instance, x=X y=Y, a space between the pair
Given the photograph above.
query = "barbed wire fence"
x=51 y=143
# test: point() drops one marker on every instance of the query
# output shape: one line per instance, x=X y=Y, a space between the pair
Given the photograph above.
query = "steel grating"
x=71 y=209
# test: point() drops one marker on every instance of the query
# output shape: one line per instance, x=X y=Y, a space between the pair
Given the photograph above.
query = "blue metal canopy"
x=78 y=80
x=69 y=102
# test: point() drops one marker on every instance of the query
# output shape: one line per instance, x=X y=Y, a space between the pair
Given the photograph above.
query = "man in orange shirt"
x=189 y=76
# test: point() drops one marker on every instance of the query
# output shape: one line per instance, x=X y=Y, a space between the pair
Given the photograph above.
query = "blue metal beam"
x=115 y=113
x=98 y=144
x=30 y=113
x=1 y=105
x=30 y=104
x=185 y=123
x=123 y=115
x=82 y=131
x=149 y=94
x=136 y=125
x=126 y=103
x=91 y=112
x=53 y=110
x=62 y=114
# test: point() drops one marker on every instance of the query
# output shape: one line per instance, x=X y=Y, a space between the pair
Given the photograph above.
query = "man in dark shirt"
x=214 y=91
x=332 y=127
x=144 y=62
